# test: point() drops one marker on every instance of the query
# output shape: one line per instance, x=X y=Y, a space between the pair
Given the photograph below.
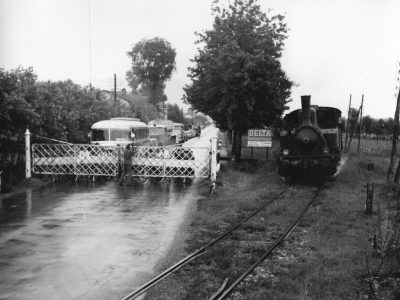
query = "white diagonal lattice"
x=103 y=161
x=171 y=162
x=74 y=159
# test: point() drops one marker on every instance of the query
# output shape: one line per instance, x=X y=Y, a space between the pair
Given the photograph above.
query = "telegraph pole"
x=354 y=129
x=361 y=116
x=347 y=124
x=396 y=126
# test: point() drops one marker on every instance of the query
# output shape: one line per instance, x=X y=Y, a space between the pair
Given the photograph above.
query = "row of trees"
x=377 y=127
x=370 y=127
x=62 y=110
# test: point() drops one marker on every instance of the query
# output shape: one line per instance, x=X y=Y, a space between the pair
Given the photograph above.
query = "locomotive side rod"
x=148 y=285
x=267 y=253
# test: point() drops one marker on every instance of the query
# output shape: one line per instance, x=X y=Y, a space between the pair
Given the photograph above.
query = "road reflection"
x=86 y=241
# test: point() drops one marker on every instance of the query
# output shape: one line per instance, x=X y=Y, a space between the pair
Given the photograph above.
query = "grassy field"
x=336 y=252
x=383 y=276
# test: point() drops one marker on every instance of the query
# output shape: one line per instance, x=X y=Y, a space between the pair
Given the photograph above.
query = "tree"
x=68 y=110
x=153 y=62
x=17 y=92
x=237 y=79
x=175 y=114
x=367 y=124
x=199 y=118
x=143 y=110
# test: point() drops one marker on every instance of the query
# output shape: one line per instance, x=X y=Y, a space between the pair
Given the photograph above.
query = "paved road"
x=204 y=139
x=88 y=241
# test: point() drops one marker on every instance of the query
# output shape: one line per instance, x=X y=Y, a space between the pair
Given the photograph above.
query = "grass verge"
x=336 y=252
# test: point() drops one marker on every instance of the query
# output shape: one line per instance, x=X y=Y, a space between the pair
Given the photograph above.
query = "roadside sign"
x=259 y=138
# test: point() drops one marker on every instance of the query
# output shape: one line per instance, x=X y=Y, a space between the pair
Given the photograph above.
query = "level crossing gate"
x=96 y=160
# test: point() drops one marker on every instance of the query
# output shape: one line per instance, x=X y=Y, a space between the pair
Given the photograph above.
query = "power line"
x=90 y=47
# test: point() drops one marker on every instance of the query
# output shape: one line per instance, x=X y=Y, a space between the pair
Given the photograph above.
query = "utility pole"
x=394 y=138
x=360 y=130
x=115 y=89
x=354 y=129
x=347 y=124
x=395 y=132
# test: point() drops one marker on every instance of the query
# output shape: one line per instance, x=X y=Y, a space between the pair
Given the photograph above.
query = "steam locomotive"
x=310 y=141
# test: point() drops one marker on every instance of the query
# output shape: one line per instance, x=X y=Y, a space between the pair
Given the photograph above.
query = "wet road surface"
x=85 y=240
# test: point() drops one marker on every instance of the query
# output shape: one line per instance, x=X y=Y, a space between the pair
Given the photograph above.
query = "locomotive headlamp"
x=132 y=136
x=285 y=152
x=325 y=150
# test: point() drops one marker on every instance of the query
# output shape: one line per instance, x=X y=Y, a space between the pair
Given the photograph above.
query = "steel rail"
x=148 y=285
x=267 y=253
x=221 y=289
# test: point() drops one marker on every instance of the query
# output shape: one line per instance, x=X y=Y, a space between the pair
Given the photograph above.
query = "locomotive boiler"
x=310 y=141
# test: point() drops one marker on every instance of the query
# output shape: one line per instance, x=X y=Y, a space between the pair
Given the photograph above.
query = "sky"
x=334 y=49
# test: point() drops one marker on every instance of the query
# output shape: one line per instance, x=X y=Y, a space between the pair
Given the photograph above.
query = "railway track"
x=148 y=285
x=225 y=291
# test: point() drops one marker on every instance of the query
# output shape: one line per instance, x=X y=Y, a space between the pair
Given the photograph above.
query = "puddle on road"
x=85 y=241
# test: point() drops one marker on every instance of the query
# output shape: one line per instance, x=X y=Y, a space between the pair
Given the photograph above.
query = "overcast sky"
x=334 y=49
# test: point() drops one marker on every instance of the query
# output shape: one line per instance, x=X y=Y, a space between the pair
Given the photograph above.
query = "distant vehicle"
x=159 y=134
x=119 y=132
x=177 y=132
x=168 y=123
x=198 y=130
x=189 y=134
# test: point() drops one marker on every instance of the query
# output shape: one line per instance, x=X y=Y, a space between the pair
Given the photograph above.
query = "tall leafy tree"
x=153 y=62
x=68 y=110
x=17 y=93
x=175 y=113
x=237 y=79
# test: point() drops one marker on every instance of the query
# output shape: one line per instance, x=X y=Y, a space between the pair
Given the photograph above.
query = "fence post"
x=370 y=191
x=164 y=151
x=370 y=198
x=213 y=161
x=28 y=171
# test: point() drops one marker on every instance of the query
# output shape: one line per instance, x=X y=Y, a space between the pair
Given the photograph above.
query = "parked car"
x=189 y=134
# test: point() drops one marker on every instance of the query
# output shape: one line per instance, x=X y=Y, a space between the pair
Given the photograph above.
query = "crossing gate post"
x=213 y=168
x=28 y=171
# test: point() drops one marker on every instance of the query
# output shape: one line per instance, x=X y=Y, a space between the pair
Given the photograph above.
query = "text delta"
x=259 y=133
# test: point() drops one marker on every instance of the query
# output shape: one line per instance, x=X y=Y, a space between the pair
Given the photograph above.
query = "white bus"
x=119 y=132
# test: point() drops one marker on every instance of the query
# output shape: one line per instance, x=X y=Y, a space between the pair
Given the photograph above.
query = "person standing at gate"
x=127 y=164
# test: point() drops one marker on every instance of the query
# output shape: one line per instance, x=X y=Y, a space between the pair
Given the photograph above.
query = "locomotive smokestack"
x=305 y=110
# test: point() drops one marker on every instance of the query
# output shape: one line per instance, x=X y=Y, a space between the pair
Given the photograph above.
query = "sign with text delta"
x=259 y=138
